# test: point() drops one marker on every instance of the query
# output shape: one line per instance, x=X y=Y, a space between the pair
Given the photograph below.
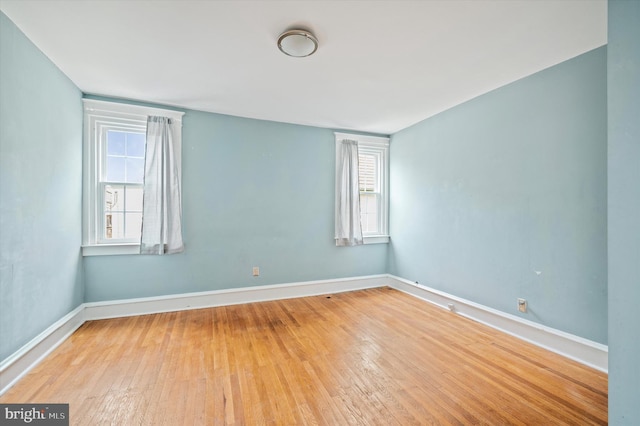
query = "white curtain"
x=161 y=209
x=348 y=228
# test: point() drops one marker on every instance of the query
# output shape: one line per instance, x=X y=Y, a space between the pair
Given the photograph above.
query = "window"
x=114 y=152
x=120 y=183
x=373 y=170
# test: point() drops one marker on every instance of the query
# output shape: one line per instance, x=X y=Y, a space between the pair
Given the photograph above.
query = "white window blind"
x=367 y=173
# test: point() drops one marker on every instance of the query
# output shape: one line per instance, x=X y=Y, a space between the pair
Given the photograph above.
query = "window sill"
x=378 y=239
x=111 y=249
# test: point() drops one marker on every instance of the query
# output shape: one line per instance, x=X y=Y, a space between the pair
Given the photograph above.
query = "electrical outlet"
x=256 y=271
x=522 y=305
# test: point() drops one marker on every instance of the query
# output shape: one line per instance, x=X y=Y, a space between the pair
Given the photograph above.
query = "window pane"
x=369 y=212
x=108 y=226
x=115 y=142
x=135 y=170
x=133 y=225
x=113 y=198
x=134 y=199
x=114 y=225
x=125 y=156
x=135 y=144
x=122 y=212
x=115 y=169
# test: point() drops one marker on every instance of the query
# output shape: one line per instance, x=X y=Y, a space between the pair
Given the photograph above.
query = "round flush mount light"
x=297 y=43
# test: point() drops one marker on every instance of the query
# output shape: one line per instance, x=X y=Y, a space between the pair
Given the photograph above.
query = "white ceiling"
x=381 y=65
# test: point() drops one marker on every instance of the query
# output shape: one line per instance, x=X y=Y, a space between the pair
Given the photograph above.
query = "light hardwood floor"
x=374 y=357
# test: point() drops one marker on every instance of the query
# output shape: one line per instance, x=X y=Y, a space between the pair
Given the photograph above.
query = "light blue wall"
x=40 y=189
x=513 y=182
x=255 y=193
x=624 y=212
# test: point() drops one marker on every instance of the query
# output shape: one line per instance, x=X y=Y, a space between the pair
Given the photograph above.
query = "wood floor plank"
x=367 y=357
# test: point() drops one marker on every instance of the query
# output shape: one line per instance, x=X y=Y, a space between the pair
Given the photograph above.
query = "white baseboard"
x=14 y=367
x=18 y=364
x=585 y=351
x=208 y=299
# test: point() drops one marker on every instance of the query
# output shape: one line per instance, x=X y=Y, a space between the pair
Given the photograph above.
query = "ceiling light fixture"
x=297 y=43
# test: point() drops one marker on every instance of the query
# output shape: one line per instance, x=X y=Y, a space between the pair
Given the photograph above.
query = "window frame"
x=376 y=191
x=104 y=127
x=379 y=146
x=99 y=118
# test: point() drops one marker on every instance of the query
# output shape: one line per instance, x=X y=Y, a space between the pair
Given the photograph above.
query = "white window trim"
x=95 y=112
x=379 y=143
